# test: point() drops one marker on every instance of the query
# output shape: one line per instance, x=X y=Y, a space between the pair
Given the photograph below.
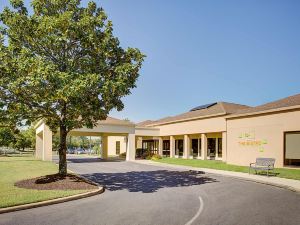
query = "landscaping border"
x=100 y=190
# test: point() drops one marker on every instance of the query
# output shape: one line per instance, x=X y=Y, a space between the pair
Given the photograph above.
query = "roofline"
x=189 y=119
x=100 y=122
x=146 y=128
x=263 y=112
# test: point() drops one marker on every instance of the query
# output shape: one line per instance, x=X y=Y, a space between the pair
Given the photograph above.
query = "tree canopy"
x=62 y=64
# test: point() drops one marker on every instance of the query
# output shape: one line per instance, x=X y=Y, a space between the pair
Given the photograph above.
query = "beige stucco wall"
x=101 y=129
x=259 y=136
x=112 y=144
x=207 y=125
x=146 y=131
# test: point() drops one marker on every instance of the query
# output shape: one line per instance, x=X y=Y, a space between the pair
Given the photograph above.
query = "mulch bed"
x=56 y=182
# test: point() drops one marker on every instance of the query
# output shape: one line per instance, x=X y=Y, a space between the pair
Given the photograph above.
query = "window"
x=200 y=146
x=118 y=147
x=179 y=147
x=166 y=144
x=166 y=148
x=151 y=146
x=211 y=147
x=292 y=149
x=195 y=147
x=220 y=147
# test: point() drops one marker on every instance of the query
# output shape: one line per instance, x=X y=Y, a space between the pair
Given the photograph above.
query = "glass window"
x=211 y=147
x=117 y=147
x=150 y=146
x=166 y=144
x=179 y=147
x=166 y=148
x=220 y=147
x=195 y=146
x=292 y=149
x=200 y=147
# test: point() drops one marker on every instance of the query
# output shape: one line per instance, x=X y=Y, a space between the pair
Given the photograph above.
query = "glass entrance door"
x=179 y=147
x=211 y=147
x=150 y=146
x=166 y=148
x=195 y=148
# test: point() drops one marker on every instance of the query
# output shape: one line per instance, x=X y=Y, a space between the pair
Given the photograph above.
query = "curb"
x=290 y=188
x=100 y=190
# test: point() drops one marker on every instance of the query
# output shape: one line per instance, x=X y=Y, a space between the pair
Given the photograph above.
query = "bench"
x=263 y=164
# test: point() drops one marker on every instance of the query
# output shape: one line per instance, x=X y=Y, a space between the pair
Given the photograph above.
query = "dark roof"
x=217 y=109
x=293 y=100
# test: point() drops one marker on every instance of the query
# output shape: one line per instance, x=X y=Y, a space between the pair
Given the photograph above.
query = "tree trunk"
x=63 y=151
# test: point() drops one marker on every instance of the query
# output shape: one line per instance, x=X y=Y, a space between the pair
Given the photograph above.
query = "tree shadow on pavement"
x=149 y=181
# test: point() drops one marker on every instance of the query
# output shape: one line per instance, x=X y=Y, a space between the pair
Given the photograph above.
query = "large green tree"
x=62 y=63
x=24 y=139
x=7 y=136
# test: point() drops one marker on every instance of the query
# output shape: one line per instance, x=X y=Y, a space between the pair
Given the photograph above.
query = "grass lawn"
x=219 y=165
x=15 y=168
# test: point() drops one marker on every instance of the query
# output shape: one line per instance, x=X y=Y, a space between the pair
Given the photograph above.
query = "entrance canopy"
x=104 y=128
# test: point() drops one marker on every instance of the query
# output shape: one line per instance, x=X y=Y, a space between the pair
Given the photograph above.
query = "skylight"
x=203 y=106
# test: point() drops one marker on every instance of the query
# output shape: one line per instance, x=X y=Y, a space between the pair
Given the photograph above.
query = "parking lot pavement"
x=149 y=194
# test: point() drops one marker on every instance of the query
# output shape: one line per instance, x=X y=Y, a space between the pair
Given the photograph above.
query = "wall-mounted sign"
x=247 y=139
x=247 y=135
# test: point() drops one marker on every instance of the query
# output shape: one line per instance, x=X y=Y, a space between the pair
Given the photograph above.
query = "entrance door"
x=166 y=148
x=211 y=147
x=150 y=146
x=179 y=147
x=118 y=147
x=195 y=147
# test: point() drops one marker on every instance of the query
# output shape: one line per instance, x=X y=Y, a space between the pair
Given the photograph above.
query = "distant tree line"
x=78 y=142
x=18 y=139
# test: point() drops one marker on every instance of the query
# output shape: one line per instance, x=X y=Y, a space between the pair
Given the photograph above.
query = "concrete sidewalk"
x=290 y=184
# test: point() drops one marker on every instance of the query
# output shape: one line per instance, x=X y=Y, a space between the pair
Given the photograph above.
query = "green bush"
x=148 y=157
x=139 y=152
x=156 y=157
x=123 y=155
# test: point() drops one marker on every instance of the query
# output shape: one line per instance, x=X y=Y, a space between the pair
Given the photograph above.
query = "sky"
x=203 y=51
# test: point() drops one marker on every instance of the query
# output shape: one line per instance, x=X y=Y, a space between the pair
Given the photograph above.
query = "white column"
x=203 y=146
x=224 y=146
x=130 y=151
x=160 y=146
x=186 y=147
x=172 y=146
x=104 y=147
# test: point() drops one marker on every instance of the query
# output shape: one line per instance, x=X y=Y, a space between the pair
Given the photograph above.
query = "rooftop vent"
x=203 y=106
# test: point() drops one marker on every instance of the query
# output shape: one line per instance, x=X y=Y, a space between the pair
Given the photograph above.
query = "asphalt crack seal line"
x=198 y=212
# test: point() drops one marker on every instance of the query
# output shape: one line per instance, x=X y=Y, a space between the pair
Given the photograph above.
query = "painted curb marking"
x=198 y=212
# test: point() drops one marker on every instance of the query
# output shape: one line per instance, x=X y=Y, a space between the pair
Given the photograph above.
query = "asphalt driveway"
x=144 y=194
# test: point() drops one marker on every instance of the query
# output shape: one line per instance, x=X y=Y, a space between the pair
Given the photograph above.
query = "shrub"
x=148 y=157
x=139 y=152
x=156 y=157
x=123 y=155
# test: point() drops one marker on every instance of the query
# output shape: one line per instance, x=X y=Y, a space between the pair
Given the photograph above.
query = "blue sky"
x=200 y=51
